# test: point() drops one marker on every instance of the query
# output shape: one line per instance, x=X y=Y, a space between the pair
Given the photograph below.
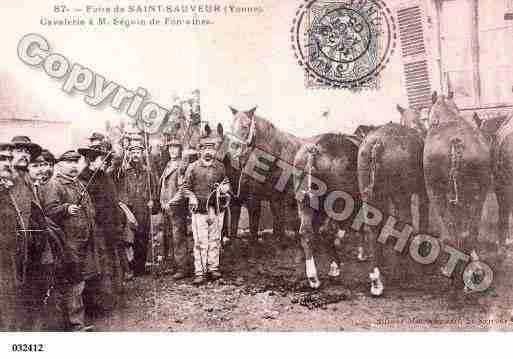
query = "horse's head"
x=363 y=130
x=489 y=127
x=243 y=135
x=412 y=118
x=444 y=109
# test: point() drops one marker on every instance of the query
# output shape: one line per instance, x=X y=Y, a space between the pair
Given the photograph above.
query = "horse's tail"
x=456 y=147
x=375 y=154
x=304 y=183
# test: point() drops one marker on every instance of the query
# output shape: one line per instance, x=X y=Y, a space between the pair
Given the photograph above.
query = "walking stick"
x=147 y=151
x=84 y=190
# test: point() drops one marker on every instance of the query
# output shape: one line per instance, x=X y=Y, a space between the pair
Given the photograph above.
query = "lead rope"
x=239 y=183
x=217 y=192
x=373 y=168
x=309 y=167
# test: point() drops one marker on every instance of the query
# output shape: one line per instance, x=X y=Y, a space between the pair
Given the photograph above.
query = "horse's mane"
x=269 y=132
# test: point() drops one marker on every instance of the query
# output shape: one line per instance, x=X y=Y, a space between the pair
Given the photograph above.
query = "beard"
x=208 y=159
x=21 y=164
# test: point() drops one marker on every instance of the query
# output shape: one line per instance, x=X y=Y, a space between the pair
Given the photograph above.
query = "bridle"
x=243 y=145
x=239 y=148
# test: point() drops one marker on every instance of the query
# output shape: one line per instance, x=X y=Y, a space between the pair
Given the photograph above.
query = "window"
x=477 y=51
x=414 y=52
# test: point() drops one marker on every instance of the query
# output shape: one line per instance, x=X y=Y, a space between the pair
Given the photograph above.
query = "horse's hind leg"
x=423 y=209
x=504 y=199
x=254 y=207
x=332 y=249
x=402 y=266
x=306 y=232
x=230 y=228
x=371 y=237
x=278 y=210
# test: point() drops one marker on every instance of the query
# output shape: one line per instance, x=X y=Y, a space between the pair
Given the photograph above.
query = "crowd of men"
x=78 y=227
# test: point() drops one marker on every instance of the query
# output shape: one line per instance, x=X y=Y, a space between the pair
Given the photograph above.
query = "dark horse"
x=250 y=132
x=327 y=195
x=457 y=170
x=390 y=171
x=327 y=161
x=498 y=132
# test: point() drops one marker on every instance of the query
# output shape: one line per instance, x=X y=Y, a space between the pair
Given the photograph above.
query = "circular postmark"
x=343 y=43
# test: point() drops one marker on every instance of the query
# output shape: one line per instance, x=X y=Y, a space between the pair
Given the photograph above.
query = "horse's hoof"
x=334 y=270
x=473 y=256
x=377 y=286
x=314 y=283
x=361 y=255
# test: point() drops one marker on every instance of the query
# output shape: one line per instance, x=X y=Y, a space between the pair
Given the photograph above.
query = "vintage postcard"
x=256 y=165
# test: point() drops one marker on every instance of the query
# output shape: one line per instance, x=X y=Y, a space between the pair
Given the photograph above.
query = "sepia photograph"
x=255 y=166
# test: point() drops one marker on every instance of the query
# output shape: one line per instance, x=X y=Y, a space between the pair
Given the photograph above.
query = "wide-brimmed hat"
x=38 y=159
x=25 y=142
x=6 y=145
x=48 y=156
x=70 y=155
x=103 y=149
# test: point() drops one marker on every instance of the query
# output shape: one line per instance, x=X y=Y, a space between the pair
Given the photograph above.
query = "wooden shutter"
x=413 y=45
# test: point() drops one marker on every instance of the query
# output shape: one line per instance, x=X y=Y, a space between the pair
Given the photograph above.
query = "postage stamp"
x=343 y=44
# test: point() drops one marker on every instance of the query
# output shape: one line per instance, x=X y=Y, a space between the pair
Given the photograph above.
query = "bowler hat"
x=25 y=142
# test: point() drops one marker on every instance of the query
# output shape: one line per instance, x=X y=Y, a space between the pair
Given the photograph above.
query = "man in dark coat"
x=9 y=293
x=174 y=205
x=137 y=189
x=67 y=203
x=34 y=249
x=103 y=192
x=22 y=279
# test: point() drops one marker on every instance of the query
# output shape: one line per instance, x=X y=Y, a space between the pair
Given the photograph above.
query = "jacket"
x=170 y=184
x=200 y=181
x=79 y=230
x=105 y=199
x=134 y=191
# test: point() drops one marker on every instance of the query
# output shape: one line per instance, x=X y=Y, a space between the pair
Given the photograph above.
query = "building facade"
x=466 y=45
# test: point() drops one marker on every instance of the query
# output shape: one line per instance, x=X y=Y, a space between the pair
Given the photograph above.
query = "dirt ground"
x=268 y=292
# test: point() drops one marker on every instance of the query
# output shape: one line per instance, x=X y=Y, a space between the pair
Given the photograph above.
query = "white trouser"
x=206 y=229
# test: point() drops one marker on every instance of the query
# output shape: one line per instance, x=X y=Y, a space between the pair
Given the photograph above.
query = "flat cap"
x=70 y=155
x=97 y=136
